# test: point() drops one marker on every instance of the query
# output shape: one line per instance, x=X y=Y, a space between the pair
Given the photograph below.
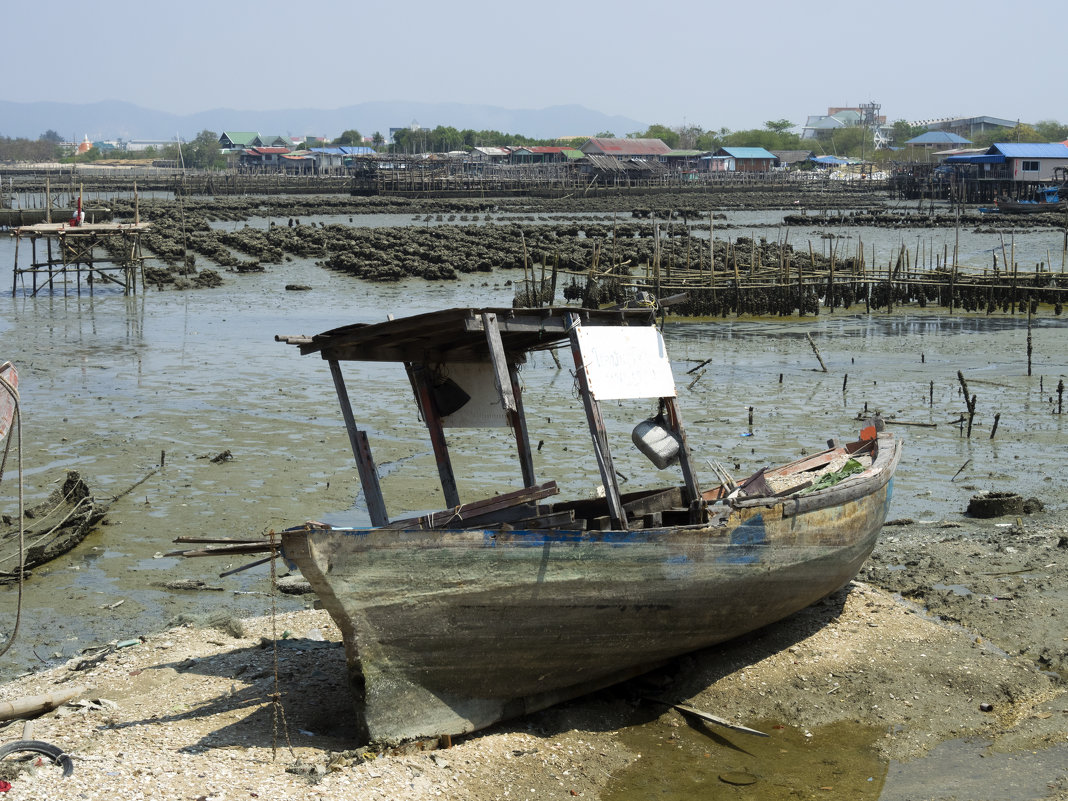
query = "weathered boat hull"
x=51 y=528
x=1031 y=206
x=450 y=631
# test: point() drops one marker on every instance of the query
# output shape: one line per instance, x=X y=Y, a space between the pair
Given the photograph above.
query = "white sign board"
x=485 y=409
x=624 y=362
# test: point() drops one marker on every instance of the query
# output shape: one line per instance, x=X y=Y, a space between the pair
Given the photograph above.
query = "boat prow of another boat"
x=9 y=395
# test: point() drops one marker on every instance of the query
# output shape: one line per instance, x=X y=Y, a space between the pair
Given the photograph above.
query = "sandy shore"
x=188 y=714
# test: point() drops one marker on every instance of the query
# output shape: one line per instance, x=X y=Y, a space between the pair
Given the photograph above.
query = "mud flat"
x=869 y=680
x=882 y=687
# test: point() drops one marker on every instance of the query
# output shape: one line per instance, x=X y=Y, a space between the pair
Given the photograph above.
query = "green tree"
x=405 y=141
x=1022 y=133
x=350 y=137
x=604 y=135
x=445 y=138
x=377 y=139
x=51 y=137
x=27 y=149
x=1051 y=130
x=761 y=137
x=688 y=136
x=778 y=126
x=903 y=132
x=711 y=140
x=854 y=142
x=203 y=152
x=661 y=132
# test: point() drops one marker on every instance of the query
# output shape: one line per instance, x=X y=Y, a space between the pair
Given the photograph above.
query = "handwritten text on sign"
x=626 y=362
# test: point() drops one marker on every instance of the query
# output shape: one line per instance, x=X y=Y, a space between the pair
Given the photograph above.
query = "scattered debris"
x=995 y=504
x=189 y=584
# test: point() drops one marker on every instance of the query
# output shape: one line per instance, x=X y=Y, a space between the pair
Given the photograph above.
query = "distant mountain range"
x=114 y=119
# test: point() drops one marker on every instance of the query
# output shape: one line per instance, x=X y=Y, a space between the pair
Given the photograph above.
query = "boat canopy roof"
x=460 y=334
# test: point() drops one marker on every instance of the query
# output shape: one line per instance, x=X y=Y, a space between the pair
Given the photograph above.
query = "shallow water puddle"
x=688 y=762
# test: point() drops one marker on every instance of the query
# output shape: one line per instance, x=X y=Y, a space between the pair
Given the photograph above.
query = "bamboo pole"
x=712 y=251
x=38 y=704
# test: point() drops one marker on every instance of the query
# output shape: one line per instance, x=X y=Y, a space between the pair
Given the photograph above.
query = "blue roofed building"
x=1021 y=162
x=746 y=159
x=937 y=140
x=1031 y=161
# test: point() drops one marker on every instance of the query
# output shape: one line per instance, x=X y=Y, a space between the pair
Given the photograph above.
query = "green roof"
x=241 y=138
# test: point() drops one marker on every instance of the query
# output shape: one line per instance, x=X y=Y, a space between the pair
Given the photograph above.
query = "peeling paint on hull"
x=447 y=632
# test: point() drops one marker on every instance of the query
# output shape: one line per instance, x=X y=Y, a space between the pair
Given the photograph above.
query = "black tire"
x=39 y=747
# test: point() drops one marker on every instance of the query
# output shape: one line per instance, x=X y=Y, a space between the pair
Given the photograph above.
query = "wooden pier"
x=63 y=253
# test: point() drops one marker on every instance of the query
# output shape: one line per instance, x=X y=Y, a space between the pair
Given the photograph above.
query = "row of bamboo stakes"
x=904 y=266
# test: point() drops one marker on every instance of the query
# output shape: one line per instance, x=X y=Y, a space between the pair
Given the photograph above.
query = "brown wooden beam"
x=507 y=382
x=361 y=450
x=420 y=379
x=598 y=432
x=689 y=475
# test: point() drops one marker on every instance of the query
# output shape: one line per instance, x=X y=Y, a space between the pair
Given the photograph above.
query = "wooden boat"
x=1044 y=200
x=1043 y=203
x=49 y=529
x=494 y=608
x=9 y=387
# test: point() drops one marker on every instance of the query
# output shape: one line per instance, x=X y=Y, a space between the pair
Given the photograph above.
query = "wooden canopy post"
x=689 y=475
x=361 y=450
x=417 y=374
x=507 y=382
x=597 y=430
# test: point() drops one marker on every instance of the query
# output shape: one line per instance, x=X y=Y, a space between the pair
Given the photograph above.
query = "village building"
x=865 y=115
x=968 y=127
x=262 y=158
x=937 y=140
x=625 y=148
x=544 y=154
x=746 y=159
x=1019 y=162
x=613 y=170
x=272 y=140
x=237 y=140
x=298 y=162
x=338 y=157
x=683 y=160
x=828 y=162
x=784 y=159
x=139 y=145
x=1034 y=161
x=489 y=155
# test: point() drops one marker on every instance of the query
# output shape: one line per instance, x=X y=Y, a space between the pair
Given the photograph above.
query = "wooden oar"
x=709 y=717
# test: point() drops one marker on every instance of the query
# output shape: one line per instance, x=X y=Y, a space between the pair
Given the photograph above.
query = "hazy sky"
x=715 y=65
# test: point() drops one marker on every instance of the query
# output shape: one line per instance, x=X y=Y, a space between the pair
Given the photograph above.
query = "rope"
x=76 y=509
x=456 y=515
x=278 y=711
x=17 y=420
